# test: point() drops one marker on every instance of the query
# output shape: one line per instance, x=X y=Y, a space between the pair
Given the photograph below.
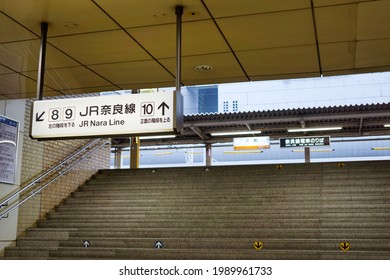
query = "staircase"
x=296 y=211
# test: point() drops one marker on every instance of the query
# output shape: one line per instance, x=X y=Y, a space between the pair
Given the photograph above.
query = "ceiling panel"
x=147 y=85
x=137 y=13
x=12 y=84
x=231 y=8
x=338 y=56
x=64 y=17
x=133 y=72
x=269 y=30
x=280 y=61
x=24 y=56
x=374 y=20
x=163 y=42
x=321 y=3
x=373 y=53
x=4 y=70
x=101 y=47
x=70 y=78
x=337 y=23
x=11 y=31
x=224 y=66
x=32 y=94
x=89 y=90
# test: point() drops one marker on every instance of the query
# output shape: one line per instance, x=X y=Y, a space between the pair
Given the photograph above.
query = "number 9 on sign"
x=69 y=113
x=62 y=114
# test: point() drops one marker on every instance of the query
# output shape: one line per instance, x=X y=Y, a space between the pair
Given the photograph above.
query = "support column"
x=42 y=61
x=307 y=154
x=134 y=152
x=179 y=14
x=209 y=157
x=134 y=144
x=118 y=158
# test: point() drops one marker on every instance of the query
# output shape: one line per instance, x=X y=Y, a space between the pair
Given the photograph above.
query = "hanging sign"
x=9 y=131
x=311 y=141
x=121 y=115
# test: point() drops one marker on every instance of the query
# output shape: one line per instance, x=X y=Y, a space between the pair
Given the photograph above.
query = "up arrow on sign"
x=162 y=107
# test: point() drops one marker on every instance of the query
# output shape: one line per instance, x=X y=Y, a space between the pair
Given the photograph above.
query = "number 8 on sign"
x=55 y=115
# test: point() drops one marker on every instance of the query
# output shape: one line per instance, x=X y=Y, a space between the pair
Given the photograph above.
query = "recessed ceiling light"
x=203 y=68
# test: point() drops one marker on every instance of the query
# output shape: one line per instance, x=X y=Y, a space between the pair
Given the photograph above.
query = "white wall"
x=13 y=109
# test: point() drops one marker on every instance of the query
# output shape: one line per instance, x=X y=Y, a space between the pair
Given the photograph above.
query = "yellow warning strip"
x=314 y=151
x=241 y=152
x=381 y=149
x=163 y=154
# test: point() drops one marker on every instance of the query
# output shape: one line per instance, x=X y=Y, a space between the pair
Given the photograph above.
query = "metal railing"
x=83 y=153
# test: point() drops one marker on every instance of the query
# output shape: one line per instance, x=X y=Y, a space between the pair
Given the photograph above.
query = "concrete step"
x=166 y=216
x=199 y=243
x=206 y=226
x=227 y=208
x=218 y=254
x=238 y=201
x=29 y=252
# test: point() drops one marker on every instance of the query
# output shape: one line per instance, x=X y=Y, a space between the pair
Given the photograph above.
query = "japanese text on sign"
x=305 y=141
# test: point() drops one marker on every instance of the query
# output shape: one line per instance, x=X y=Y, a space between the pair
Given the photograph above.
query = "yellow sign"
x=258 y=245
x=345 y=246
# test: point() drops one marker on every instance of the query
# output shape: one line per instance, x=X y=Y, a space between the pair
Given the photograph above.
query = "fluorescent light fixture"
x=246 y=132
x=314 y=129
x=156 y=137
x=387 y=125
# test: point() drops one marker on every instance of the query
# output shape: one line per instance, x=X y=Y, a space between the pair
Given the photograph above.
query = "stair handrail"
x=49 y=172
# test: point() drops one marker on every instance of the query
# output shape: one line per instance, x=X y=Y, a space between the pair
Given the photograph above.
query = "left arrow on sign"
x=39 y=117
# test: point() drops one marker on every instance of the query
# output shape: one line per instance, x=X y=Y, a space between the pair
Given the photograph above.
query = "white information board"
x=119 y=115
x=9 y=130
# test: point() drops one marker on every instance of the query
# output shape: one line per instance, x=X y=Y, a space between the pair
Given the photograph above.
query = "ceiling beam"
x=199 y=132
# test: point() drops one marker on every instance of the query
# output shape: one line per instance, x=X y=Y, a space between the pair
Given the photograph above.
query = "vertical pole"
x=307 y=154
x=118 y=158
x=134 y=153
x=179 y=14
x=208 y=154
x=134 y=144
x=42 y=60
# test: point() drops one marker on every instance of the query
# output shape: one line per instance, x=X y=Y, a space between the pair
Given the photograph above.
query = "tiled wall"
x=38 y=156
